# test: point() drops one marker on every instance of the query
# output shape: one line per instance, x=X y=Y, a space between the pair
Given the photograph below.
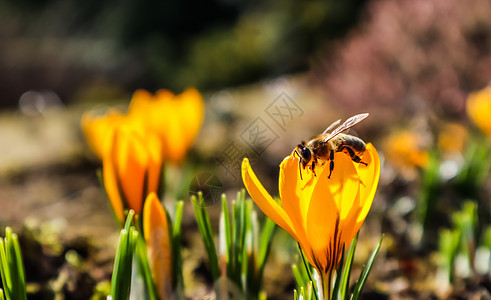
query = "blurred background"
x=71 y=47
x=288 y=67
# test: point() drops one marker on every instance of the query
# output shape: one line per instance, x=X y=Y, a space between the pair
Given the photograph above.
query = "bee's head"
x=304 y=153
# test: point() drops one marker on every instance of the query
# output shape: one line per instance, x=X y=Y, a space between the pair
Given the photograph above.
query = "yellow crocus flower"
x=323 y=214
x=132 y=168
x=158 y=241
x=479 y=109
x=176 y=118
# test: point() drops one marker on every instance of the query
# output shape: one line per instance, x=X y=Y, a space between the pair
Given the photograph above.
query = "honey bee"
x=321 y=148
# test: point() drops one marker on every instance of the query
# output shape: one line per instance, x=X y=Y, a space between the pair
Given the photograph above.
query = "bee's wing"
x=347 y=124
x=334 y=124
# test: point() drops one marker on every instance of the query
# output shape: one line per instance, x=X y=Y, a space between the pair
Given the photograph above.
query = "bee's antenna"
x=299 y=169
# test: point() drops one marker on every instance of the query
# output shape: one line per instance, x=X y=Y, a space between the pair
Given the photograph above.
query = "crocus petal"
x=154 y=169
x=264 y=201
x=369 y=176
x=184 y=114
x=176 y=118
x=331 y=203
x=158 y=243
x=343 y=184
x=131 y=159
x=140 y=103
x=97 y=128
x=192 y=108
x=111 y=180
x=322 y=222
x=175 y=141
x=295 y=194
x=479 y=109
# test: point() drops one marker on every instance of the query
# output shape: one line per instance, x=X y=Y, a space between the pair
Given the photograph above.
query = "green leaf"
x=19 y=268
x=365 y=272
x=241 y=229
x=337 y=284
x=4 y=269
x=309 y=273
x=347 y=268
x=265 y=244
x=247 y=260
x=430 y=190
x=176 y=247
x=299 y=278
x=226 y=230
x=129 y=220
x=121 y=279
x=143 y=265
x=204 y=227
x=11 y=267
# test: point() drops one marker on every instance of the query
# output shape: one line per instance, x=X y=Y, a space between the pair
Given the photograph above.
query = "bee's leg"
x=331 y=164
x=354 y=157
x=313 y=168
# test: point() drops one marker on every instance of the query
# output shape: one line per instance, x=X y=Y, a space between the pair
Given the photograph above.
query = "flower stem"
x=327 y=284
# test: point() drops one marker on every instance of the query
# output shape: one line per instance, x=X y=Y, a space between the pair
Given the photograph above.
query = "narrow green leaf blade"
x=176 y=246
x=365 y=272
x=337 y=284
x=347 y=268
x=4 y=269
x=19 y=267
x=298 y=276
x=204 y=227
x=265 y=244
x=118 y=287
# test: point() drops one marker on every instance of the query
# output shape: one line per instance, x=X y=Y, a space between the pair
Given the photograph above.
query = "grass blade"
x=265 y=245
x=337 y=284
x=204 y=227
x=11 y=267
x=347 y=268
x=176 y=247
x=226 y=230
x=365 y=272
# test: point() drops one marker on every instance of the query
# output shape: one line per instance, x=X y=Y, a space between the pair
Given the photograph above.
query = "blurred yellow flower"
x=404 y=151
x=132 y=167
x=158 y=241
x=452 y=138
x=97 y=128
x=322 y=214
x=479 y=109
x=176 y=118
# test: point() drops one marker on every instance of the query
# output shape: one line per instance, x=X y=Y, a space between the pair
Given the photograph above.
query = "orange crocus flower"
x=131 y=167
x=158 y=241
x=176 y=118
x=323 y=214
